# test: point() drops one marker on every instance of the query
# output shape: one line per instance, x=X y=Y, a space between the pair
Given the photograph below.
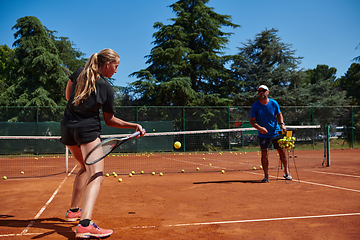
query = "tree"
x=71 y=58
x=320 y=73
x=39 y=78
x=351 y=83
x=6 y=66
x=187 y=62
x=265 y=60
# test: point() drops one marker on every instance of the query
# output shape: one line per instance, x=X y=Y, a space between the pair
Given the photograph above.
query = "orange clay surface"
x=324 y=204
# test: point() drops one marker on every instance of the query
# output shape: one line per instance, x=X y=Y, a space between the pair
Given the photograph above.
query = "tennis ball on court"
x=183 y=170
x=130 y=175
x=153 y=129
x=222 y=171
x=197 y=168
x=4 y=177
x=210 y=164
x=142 y=172
x=120 y=179
x=160 y=174
x=22 y=172
x=254 y=168
x=177 y=145
x=133 y=172
x=153 y=173
x=260 y=167
x=107 y=175
x=115 y=175
x=203 y=158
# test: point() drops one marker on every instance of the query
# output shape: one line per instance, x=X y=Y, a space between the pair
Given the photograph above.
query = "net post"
x=184 y=128
x=66 y=159
x=352 y=127
x=328 y=146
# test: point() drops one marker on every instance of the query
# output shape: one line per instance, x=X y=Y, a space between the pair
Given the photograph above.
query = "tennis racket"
x=106 y=146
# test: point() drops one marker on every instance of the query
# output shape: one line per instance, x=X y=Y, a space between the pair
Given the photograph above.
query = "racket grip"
x=135 y=134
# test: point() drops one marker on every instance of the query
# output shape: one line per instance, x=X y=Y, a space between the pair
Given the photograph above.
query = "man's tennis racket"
x=104 y=148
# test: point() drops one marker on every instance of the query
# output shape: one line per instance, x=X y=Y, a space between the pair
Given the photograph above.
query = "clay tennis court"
x=199 y=205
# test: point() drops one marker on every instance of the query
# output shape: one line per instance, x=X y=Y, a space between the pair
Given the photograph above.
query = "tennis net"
x=234 y=149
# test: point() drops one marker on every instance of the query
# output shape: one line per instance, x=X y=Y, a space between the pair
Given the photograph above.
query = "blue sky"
x=321 y=31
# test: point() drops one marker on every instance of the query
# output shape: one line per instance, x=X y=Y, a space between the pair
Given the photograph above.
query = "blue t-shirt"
x=265 y=116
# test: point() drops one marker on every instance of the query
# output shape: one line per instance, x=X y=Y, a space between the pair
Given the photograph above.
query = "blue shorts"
x=77 y=136
x=265 y=142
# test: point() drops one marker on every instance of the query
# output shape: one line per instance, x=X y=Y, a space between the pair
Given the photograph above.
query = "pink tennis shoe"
x=92 y=231
x=72 y=216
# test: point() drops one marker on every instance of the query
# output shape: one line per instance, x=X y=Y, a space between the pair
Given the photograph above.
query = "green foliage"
x=186 y=64
x=351 y=83
x=6 y=66
x=320 y=73
x=71 y=58
x=264 y=60
x=38 y=79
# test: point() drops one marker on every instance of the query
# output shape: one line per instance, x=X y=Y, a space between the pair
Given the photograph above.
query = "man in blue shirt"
x=265 y=116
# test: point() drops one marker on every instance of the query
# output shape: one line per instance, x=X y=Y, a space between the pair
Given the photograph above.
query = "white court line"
x=338 y=174
x=264 y=220
x=318 y=184
x=251 y=220
x=46 y=204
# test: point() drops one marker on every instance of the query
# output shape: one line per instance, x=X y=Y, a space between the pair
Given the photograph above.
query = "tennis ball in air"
x=177 y=144
x=153 y=173
x=120 y=179
x=22 y=172
x=4 y=177
x=254 y=168
x=107 y=175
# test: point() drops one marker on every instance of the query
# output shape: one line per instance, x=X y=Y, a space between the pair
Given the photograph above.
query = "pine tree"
x=265 y=60
x=187 y=62
x=39 y=78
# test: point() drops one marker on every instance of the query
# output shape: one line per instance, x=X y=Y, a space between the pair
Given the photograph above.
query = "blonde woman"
x=87 y=91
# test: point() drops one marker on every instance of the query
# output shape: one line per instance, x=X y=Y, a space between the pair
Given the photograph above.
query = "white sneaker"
x=287 y=177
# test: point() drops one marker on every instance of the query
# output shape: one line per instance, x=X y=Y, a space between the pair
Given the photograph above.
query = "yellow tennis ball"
x=130 y=175
x=222 y=171
x=260 y=167
x=254 y=168
x=183 y=170
x=177 y=145
x=153 y=173
x=197 y=168
x=120 y=180
x=22 y=172
x=160 y=174
x=133 y=172
x=4 y=177
x=210 y=164
x=142 y=172
x=107 y=175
